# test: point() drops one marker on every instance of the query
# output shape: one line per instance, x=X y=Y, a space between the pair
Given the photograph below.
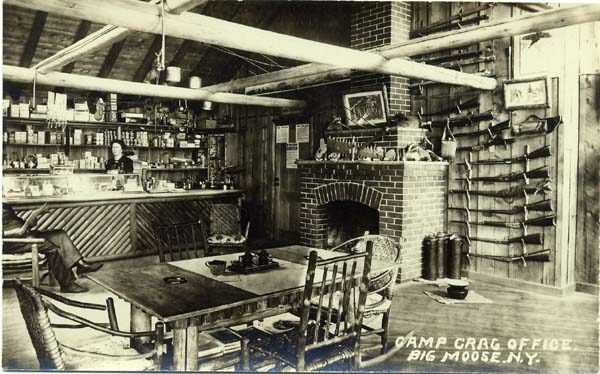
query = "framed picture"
x=527 y=93
x=365 y=108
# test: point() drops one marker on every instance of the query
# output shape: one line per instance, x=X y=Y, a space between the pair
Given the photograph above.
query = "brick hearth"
x=410 y=197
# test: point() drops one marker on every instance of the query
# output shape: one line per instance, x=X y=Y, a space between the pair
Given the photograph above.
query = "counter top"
x=114 y=195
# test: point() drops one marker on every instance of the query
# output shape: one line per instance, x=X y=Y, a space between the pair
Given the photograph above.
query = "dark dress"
x=124 y=165
x=60 y=250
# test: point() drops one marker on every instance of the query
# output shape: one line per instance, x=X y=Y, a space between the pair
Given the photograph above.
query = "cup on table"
x=217 y=267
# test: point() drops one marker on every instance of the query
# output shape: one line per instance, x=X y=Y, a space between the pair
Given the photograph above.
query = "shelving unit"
x=149 y=153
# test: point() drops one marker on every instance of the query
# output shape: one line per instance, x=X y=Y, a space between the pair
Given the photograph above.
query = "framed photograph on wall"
x=527 y=93
x=365 y=108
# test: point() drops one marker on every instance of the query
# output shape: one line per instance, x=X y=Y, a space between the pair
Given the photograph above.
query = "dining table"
x=187 y=296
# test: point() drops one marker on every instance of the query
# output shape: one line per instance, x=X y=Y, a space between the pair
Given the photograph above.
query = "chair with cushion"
x=379 y=299
x=181 y=241
x=225 y=229
x=322 y=339
x=102 y=354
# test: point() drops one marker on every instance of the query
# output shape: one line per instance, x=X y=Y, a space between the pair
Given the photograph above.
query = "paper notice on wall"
x=302 y=133
x=282 y=135
x=291 y=156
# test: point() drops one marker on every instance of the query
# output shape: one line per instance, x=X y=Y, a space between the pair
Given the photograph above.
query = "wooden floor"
x=513 y=317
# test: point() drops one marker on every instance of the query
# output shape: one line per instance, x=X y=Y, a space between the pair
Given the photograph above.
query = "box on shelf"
x=14 y=110
x=41 y=137
x=40 y=108
x=81 y=107
x=81 y=116
x=38 y=115
x=5 y=107
x=24 y=110
x=20 y=137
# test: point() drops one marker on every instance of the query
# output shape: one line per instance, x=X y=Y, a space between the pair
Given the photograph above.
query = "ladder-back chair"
x=17 y=263
x=324 y=338
x=52 y=355
x=181 y=241
x=379 y=299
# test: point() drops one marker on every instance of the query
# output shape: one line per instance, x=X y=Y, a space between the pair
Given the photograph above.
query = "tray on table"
x=236 y=267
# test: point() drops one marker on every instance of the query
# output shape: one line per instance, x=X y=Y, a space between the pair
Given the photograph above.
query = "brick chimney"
x=377 y=24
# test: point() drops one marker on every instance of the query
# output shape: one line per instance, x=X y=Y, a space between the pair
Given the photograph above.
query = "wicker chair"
x=181 y=241
x=225 y=230
x=52 y=355
x=16 y=264
x=379 y=299
x=322 y=339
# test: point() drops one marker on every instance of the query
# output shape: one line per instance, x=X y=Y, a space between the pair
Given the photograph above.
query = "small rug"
x=472 y=298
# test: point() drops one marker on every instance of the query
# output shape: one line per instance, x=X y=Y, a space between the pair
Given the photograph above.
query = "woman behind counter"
x=118 y=161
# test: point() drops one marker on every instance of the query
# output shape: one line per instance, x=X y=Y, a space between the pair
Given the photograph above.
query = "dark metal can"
x=429 y=258
x=455 y=257
x=442 y=244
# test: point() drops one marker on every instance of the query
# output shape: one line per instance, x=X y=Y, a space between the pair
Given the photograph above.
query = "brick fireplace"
x=410 y=197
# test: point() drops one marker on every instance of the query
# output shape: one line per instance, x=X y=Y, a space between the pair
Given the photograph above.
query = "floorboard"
x=513 y=315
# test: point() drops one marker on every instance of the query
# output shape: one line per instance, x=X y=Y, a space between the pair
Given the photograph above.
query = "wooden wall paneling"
x=132 y=54
x=589 y=50
x=90 y=63
x=501 y=68
x=57 y=33
x=588 y=199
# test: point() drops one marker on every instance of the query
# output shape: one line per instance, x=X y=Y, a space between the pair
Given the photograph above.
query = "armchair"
x=225 y=233
x=53 y=355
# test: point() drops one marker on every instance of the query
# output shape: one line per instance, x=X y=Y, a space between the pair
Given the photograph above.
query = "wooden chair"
x=33 y=262
x=52 y=355
x=225 y=233
x=181 y=241
x=322 y=339
x=379 y=299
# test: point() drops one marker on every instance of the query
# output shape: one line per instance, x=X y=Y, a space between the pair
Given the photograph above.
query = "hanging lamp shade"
x=207 y=105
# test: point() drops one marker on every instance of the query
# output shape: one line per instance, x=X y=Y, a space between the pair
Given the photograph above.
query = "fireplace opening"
x=349 y=219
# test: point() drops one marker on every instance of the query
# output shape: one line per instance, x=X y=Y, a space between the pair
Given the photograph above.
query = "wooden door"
x=588 y=182
x=286 y=195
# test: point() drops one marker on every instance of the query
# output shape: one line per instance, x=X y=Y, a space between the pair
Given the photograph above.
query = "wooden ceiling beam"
x=82 y=31
x=111 y=58
x=104 y=37
x=33 y=39
x=83 y=82
x=147 y=18
x=552 y=19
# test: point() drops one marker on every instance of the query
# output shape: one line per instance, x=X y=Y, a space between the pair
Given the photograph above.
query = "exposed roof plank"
x=196 y=68
x=111 y=59
x=82 y=31
x=33 y=39
x=106 y=36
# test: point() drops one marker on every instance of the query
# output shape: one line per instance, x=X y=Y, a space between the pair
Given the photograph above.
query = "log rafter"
x=534 y=22
x=147 y=18
x=84 y=82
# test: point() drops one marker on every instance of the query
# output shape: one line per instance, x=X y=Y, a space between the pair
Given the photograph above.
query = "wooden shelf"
x=177 y=169
x=33 y=145
x=110 y=125
x=46 y=171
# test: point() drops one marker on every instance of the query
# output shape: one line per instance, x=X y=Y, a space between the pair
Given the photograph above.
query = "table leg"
x=140 y=321
x=185 y=345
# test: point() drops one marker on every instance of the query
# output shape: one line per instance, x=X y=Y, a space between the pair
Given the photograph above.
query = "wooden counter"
x=111 y=225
